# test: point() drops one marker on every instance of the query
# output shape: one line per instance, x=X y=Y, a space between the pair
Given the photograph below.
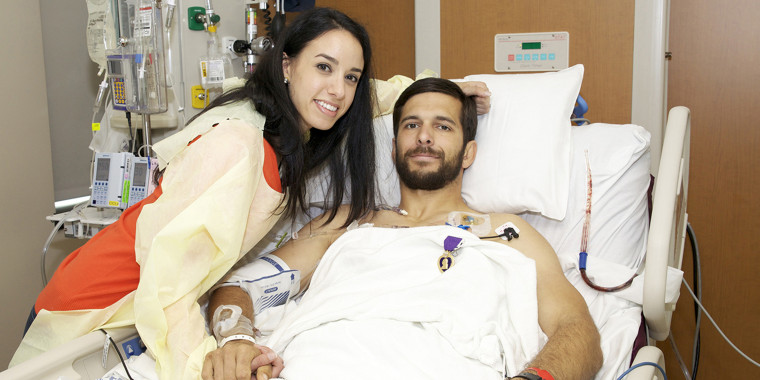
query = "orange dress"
x=104 y=270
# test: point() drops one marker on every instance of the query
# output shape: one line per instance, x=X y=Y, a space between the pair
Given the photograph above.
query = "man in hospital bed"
x=426 y=290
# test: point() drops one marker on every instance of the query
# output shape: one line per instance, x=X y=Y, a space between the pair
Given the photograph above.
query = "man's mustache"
x=424 y=150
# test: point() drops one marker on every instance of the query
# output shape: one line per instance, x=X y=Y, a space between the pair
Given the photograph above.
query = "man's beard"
x=419 y=180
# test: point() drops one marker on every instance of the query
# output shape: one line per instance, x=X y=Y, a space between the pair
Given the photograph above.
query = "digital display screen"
x=101 y=171
x=115 y=67
x=531 y=45
x=139 y=176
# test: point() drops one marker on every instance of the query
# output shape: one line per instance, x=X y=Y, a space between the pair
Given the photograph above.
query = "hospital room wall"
x=390 y=24
x=714 y=71
x=26 y=189
x=601 y=38
x=26 y=140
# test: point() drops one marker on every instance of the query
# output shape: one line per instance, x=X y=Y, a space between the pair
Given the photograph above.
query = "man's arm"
x=237 y=359
x=573 y=350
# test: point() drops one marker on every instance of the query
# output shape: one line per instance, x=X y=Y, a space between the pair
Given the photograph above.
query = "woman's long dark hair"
x=347 y=149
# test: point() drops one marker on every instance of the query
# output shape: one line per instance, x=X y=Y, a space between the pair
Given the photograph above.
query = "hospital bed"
x=667 y=233
x=663 y=243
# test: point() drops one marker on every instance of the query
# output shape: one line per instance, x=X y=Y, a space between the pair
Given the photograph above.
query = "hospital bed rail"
x=667 y=235
x=80 y=359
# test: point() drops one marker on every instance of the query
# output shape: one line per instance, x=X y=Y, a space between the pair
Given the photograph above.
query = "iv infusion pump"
x=140 y=179
x=121 y=180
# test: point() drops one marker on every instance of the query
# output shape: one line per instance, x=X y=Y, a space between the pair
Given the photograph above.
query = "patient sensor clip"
x=508 y=231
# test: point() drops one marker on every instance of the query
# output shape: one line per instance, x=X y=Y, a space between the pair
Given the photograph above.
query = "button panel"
x=531 y=51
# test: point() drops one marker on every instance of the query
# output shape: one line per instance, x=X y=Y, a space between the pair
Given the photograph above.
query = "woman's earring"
x=287 y=81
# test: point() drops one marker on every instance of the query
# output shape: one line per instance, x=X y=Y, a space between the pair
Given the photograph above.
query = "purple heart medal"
x=450 y=244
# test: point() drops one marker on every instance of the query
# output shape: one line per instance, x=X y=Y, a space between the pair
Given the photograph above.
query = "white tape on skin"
x=229 y=320
x=478 y=224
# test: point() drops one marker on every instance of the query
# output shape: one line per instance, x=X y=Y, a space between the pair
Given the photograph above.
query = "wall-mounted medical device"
x=141 y=179
x=111 y=170
x=531 y=51
x=252 y=46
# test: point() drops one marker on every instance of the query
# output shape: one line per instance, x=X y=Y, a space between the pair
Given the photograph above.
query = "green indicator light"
x=531 y=45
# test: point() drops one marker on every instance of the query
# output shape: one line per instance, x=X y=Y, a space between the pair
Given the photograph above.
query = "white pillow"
x=619 y=160
x=389 y=192
x=523 y=159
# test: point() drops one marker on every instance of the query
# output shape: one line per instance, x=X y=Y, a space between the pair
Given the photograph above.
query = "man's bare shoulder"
x=530 y=242
x=498 y=220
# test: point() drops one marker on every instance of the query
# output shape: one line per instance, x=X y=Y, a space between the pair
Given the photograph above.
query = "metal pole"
x=146 y=134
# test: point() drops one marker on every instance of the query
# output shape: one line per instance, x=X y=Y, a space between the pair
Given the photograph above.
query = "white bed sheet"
x=356 y=323
x=335 y=319
x=379 y=308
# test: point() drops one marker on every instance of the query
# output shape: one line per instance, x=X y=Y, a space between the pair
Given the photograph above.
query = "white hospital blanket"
x=379 y=308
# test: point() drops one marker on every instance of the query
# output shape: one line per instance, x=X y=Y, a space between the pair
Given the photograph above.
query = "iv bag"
x=101 y=34
x=216 y=65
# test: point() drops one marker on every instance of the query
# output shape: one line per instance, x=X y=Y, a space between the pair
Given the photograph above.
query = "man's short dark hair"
x=468 y=117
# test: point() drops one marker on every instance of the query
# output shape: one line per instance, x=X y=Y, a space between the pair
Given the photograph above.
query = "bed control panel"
x=531 y=51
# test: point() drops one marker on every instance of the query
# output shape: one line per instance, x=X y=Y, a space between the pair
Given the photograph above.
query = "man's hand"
x=480 y=92
x=239 y=359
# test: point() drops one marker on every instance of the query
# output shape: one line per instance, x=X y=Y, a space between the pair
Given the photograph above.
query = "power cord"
x=624 y=374
x=709 y=317
x=679 y=359
x=697 y=280
x=49 y=240
x=116 y=348
x=699 y=309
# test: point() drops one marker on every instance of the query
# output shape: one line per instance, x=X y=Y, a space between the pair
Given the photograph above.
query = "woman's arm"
x=388 y=91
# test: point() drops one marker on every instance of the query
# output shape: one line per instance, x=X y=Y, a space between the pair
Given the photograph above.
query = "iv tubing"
x=170 y=5
x=180 y=95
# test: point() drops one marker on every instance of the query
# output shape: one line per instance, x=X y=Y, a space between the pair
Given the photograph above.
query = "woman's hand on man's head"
x=478 y=90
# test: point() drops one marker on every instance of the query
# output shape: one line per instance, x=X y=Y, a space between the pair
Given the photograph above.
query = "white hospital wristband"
x=237 y=337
